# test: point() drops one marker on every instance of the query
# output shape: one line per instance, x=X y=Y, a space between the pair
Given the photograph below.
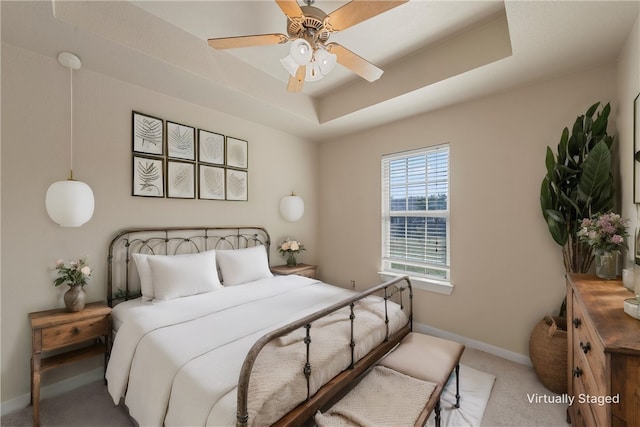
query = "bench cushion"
x=425 y=357
x=375 y=401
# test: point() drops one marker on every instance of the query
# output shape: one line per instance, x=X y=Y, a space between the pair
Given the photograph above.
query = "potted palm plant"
x=578 y=183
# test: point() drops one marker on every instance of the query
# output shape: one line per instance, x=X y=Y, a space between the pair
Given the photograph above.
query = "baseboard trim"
x=52 y=390
x=478 y=345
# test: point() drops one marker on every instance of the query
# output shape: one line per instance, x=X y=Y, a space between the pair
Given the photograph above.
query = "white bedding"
x=179 y=360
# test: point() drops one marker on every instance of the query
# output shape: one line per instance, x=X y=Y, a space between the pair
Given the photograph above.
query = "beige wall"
x=506 y=269
x=35 y=153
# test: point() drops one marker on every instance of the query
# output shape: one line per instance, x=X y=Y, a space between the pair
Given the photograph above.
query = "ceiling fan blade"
x=295 y=83
x=247 y=41
x=355 y=63
x=357 y=11
x=291 y=8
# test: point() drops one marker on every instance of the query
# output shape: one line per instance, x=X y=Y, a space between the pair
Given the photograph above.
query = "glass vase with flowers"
x=290 y=248
x=605 y=234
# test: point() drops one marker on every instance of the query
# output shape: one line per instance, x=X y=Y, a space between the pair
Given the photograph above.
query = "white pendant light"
x=70 y=203
x=292 y=207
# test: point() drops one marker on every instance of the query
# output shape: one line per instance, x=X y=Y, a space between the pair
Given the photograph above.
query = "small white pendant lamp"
x=70 y=203
x=292 y=207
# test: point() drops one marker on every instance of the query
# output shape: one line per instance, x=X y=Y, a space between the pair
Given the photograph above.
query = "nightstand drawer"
x=304 y=270
x=72 y=333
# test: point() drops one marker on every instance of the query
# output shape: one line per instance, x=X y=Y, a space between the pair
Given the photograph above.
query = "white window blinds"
x=415 y=213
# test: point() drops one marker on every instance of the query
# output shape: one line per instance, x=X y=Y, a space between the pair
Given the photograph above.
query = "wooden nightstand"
x=305 y=270
x=59 y=328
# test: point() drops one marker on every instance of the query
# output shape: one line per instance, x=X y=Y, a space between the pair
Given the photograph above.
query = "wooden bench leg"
x=437 y=410
x=458 y=385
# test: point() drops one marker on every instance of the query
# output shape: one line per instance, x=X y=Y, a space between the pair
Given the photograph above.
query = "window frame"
x=421 y=281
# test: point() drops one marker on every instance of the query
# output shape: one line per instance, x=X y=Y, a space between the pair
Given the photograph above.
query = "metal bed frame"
x=122 y=279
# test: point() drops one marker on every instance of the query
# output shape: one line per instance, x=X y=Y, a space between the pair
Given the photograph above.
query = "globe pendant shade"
x=69 y=203
x=292 y=208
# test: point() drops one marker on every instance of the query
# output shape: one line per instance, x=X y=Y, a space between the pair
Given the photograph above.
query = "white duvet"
x=177 y=362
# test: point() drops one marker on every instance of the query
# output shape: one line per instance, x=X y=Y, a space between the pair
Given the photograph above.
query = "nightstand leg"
x=35 y=389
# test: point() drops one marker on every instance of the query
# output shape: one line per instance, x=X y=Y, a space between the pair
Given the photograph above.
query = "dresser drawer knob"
x=585 y=347
x=577 y=372
x=576 y=322
x=75 y=330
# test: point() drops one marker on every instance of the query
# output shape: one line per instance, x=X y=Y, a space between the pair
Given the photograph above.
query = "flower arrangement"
x=604 y=232
x=290 y=248
x=75 y=273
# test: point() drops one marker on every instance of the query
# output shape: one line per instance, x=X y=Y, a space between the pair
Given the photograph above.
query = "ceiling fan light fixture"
x=313 y=72
x=290 y=65
x=327 y=61
x=301 y=51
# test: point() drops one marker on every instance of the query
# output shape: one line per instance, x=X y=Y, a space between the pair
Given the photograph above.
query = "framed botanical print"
x=181 y=141
x=210 y=147
x=148 y=176
x=211 y=183
x=148 y=134
x=181 y=180
x=237 y=184
x=237 y=153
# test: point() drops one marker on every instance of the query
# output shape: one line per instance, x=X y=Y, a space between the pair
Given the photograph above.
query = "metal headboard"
x=122 y=278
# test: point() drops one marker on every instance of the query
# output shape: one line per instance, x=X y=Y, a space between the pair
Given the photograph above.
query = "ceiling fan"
x=309 y=28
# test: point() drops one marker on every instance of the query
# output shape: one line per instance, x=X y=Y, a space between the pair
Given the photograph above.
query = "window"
x=415 y=213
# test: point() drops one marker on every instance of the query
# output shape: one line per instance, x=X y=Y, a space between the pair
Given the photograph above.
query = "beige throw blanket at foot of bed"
x=383 y=397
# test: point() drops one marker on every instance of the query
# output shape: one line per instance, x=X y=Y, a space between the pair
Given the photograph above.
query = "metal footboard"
x=391 y=289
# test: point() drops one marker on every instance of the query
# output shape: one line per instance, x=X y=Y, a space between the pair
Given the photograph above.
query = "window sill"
x=430 y=285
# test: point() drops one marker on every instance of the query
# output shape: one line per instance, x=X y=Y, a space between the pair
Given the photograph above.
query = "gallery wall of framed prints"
x=174 y=160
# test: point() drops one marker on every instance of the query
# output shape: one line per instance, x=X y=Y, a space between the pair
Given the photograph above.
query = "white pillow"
x=243 y=265
x=183 y=275
x=144 y=272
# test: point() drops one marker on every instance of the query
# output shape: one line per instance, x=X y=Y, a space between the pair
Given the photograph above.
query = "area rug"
x=475 y=389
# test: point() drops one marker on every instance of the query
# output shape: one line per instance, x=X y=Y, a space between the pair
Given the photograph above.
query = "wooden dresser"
x=604 y=354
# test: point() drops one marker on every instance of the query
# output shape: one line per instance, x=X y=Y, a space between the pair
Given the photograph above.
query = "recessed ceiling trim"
x=462 y=52
x=129 y=26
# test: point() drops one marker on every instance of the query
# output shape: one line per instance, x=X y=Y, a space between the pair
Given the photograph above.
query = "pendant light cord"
x=71 y=115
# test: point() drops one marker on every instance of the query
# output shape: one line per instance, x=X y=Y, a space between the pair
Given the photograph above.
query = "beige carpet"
x=508 y=404
x=475 y=389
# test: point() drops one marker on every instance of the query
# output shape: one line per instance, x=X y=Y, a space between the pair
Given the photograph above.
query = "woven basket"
x=548 y=352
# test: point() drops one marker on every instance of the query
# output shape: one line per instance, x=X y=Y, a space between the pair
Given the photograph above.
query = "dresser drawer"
x=582 y=415
x=75 y=332
x=590 y=388
x=587 y=344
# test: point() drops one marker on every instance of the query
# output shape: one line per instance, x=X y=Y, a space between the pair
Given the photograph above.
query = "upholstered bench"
x=428 y=358
x=409 y=380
